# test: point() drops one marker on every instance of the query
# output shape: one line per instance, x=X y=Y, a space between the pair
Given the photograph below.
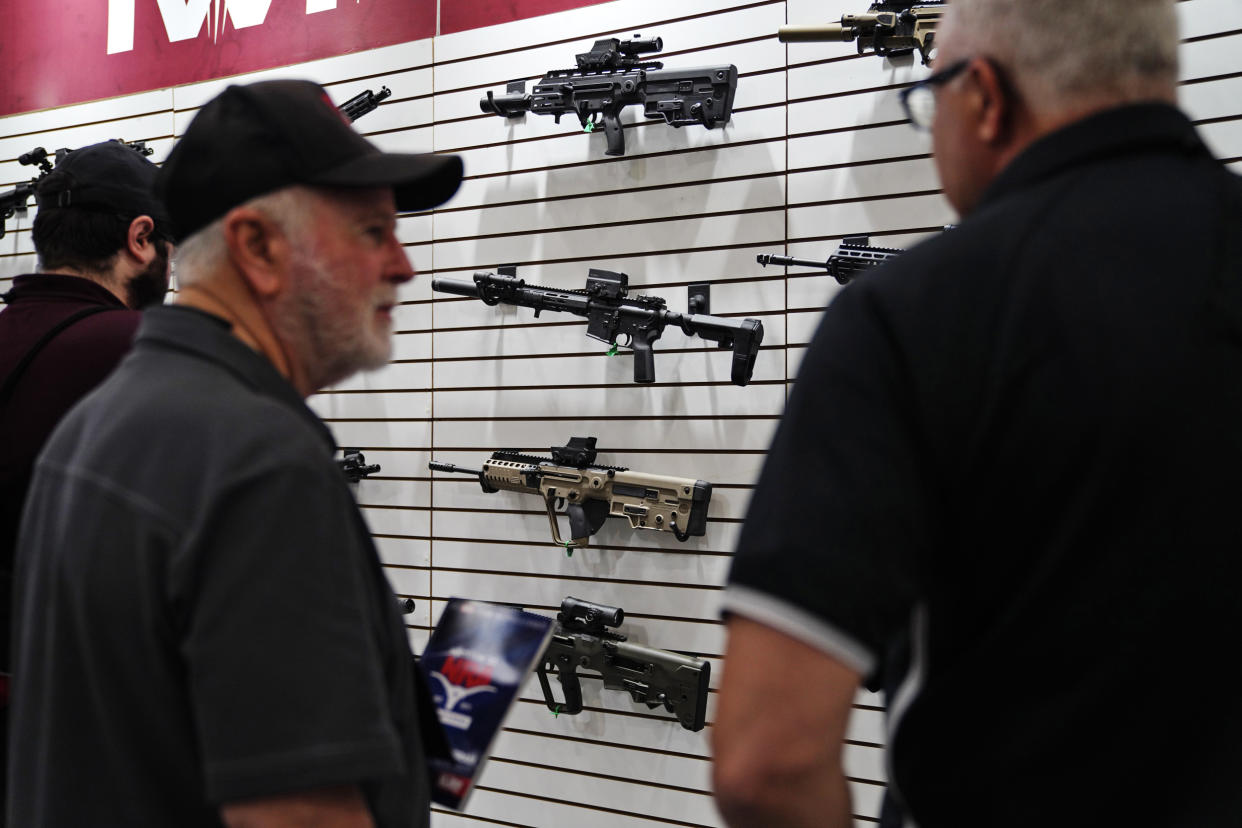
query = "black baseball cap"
x=108 y=176
x=255 y=139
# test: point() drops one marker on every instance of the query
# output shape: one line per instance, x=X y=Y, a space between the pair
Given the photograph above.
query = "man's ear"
x=138 y=241
x=990 y=100
x=258 y=248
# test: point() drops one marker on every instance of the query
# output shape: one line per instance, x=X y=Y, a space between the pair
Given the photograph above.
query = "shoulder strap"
x=12 y=379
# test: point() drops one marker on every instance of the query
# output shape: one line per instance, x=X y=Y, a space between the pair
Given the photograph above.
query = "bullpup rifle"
x=364 y=102
x=611 y=77
x=888 y=29
x=584 y=638
x=616 y=318
x=592 y=492
x=854 y=256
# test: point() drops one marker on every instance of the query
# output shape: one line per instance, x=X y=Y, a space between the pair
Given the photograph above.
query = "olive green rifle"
x=584 y=639
x=590 y=492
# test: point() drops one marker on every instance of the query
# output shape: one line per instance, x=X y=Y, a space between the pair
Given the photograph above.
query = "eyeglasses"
x=919 y=99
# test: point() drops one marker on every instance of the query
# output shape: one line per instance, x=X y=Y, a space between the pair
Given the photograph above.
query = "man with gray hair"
x=204 y=633
x=1005 y=488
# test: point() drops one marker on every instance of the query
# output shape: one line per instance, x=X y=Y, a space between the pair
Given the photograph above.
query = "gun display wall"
x=814 y=153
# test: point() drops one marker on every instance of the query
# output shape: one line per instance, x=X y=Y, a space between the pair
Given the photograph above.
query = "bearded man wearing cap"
x=205 y=635
x=103 y=242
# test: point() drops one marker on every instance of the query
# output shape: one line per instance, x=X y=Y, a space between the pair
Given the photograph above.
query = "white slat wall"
x=816 y=151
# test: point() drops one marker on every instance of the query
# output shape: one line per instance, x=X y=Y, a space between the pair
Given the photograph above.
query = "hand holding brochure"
x=475 y=663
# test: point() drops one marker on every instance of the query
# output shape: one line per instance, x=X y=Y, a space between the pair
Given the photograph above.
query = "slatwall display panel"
x=681 y=206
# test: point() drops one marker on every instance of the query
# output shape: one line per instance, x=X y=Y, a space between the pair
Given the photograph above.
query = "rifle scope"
x=36 y=156
x=641 y=45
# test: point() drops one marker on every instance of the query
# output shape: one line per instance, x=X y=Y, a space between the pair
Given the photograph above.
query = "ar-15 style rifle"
x=582 y=638
x=16 y=201
x=888 y=28
x=615 y=317
x=364 y=102
x=854 y=256
x=592 y=492
x=611 y=77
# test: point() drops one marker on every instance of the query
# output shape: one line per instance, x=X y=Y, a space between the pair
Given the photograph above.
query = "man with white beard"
x=205 y=634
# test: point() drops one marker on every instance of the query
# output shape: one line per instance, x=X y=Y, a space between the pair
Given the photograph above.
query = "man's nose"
x=400 y=270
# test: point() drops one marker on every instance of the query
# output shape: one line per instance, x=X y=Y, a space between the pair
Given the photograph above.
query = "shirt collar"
x=1150 y=127
x=210 y=337
x=60 y=286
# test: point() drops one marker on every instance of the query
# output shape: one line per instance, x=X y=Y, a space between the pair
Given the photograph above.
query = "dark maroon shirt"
x=63 y=372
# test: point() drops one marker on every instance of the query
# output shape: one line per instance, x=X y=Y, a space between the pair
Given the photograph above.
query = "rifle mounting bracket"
x=699 y=297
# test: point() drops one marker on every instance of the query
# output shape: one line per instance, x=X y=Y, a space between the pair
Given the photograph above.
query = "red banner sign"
x=57 y=52
x=459 y=15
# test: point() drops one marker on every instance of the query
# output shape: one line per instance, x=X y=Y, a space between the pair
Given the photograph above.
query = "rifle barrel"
x=456 y=286
x=436 y=465
x=833 y=32
x=766 y=259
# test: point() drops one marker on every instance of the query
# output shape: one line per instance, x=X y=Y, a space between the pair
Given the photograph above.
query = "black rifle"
x=651 y=677
x=611 y=77
x=592 y=492
x=615 y=317
x=363 y=102
x=16 y=201
x=354 y=464
x=887 y=28
x=854 y=256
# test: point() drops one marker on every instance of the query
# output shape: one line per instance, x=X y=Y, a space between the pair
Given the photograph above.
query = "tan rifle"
x=591 y=493
x=889 y=29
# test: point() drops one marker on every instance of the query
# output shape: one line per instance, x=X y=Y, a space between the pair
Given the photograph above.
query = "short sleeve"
x=284 y=670
x=828 y=549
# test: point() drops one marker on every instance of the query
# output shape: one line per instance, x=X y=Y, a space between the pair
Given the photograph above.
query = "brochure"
x=475 y=663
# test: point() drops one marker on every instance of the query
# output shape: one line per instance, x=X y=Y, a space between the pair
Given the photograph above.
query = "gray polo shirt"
x=201 y=614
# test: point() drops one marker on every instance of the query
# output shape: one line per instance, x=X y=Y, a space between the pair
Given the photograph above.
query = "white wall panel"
x=817 y=150
x=617 y=401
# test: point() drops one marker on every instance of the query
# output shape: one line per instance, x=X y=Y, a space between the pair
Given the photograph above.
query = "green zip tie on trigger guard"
x=556 y=714
x=612 y=351
x=589 y=126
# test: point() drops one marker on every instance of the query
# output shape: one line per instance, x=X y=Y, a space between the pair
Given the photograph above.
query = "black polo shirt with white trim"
x=1007 y=485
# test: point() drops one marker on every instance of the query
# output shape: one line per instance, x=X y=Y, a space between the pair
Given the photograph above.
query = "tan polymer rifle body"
x=591 y=492
x=887 y=28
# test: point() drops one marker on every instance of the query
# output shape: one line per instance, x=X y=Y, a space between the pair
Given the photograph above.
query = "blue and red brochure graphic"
x=475 y=663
